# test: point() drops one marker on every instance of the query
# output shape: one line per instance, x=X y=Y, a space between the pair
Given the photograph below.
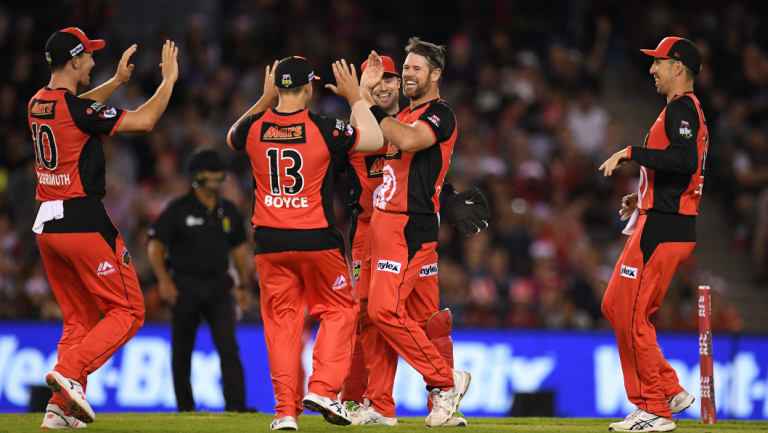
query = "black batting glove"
x=467 y=212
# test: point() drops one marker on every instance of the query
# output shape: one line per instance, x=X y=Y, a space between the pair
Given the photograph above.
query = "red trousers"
x=400 y=302
x=89 y=280
x=289 y=282
x=379 y=356
x=636 y=289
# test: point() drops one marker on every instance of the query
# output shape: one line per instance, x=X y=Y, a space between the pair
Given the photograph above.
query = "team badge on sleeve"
x=126 y=257
x=356 y=267
x=685 y=129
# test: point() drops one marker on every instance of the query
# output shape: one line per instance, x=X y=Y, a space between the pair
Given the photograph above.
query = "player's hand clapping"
x=346 y=81
x=270 y=91
x=169 y=65
x=125 y=69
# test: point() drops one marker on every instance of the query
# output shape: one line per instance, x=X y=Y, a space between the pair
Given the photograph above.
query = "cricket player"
x=372 y=353
x=300 y=255
x=663 y=234
x=405 y=222
x=88 y=266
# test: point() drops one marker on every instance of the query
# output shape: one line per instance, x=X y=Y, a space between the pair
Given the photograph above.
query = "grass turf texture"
x=209 y=422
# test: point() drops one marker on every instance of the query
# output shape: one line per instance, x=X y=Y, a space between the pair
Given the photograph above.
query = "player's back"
x=292 y=156
x=68 y=149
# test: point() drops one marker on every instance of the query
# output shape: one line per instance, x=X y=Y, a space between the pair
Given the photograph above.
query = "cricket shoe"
x=640 y=420
x=284 y=423
x=682 y=401
x=457 y=420
x=55 y=418
x=331 y=409
x=72 y=393
x=445 y=403
x=366 y=414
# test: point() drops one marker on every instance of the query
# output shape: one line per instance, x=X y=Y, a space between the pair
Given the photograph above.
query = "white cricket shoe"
x=331 y=409
x=73 y=394
x=284 y=423
x=55 y=418
x=681 y=402
x=445 y=403
x=366 y=414
x=640 y=420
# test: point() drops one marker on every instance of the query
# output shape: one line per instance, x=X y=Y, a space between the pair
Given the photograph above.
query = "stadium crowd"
x=532 y=122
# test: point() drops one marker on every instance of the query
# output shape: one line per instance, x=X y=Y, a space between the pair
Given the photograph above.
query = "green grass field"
x=235 y=422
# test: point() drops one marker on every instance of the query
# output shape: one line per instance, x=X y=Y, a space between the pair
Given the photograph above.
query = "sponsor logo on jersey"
x=392 y=151
x=357 y=266
x=105 y=268
x=43 y=109
x=628 y=272
x=685 y=129
x=286 y=80
x=428 y=270
x=388 y=266
x=273 y=133
x=193 y=221
x=97 y=106
x=349 y=131
x=108 y=113
x=126 y=257
x=340 y=283
x=374 y=165
x=434 y=119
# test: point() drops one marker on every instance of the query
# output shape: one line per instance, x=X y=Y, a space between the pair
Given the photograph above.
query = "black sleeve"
x=237 y=234
x=339 y=136
x=164 y=226
x=237 y=137
x=439 y=116
x=681 y=124
x=93 y=117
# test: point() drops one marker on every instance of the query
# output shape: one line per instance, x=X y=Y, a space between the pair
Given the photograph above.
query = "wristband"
x=379 y=113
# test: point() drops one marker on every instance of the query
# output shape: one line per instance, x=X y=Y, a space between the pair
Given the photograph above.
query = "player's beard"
x=420 y=90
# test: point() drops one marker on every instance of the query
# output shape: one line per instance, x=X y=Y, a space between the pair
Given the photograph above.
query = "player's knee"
x=378 y=314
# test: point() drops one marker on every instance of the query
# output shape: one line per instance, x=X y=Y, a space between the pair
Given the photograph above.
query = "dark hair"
x=435 y=54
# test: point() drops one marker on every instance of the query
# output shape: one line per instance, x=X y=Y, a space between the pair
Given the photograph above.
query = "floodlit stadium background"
x=542 y=93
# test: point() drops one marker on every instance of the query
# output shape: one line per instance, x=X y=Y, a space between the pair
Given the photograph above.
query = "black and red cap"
x=386 y=62
x=293 y=72
x=679 y=49
x=66 y=43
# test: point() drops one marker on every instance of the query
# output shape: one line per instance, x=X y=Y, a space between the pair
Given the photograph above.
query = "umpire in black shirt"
x=195 y=235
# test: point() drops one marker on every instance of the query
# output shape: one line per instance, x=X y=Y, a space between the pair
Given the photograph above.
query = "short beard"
x=420 y=91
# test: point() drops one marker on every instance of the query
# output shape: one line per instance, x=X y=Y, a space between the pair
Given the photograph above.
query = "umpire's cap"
x=206 y=160
x=67 y=43
x=293 y=72
x=679 y=49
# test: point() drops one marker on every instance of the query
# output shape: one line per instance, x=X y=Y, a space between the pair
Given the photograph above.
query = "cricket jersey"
x=673 y=158
x=293 y=156
x=66 y=133
x=412 y=180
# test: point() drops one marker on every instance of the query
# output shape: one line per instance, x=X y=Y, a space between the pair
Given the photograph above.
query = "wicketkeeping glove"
x=467 y=212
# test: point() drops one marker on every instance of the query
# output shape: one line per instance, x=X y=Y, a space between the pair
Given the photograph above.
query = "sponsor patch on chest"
x=628 y=272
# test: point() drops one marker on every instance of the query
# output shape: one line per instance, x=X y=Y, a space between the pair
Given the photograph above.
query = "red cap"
x=89 y=44
x=387 y=62
x=683 y=50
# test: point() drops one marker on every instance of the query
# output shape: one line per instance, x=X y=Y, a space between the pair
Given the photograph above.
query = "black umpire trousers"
x=213 y=300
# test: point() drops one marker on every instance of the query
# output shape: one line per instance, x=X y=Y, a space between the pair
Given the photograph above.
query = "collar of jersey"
x=423 y=104
x=279 y=113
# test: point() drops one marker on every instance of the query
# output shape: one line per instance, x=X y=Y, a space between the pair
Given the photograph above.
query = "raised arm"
x=267 y=100
x=122 y=76
x=145 y=117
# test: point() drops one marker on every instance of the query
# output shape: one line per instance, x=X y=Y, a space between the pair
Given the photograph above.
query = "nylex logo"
x=628 y=272
x=428 y=270
x=388 y=266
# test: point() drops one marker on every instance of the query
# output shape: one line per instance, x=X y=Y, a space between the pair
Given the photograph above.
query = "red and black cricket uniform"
x=299 y=253
x=671 y=178
x=88 y=266
x=403 y=238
